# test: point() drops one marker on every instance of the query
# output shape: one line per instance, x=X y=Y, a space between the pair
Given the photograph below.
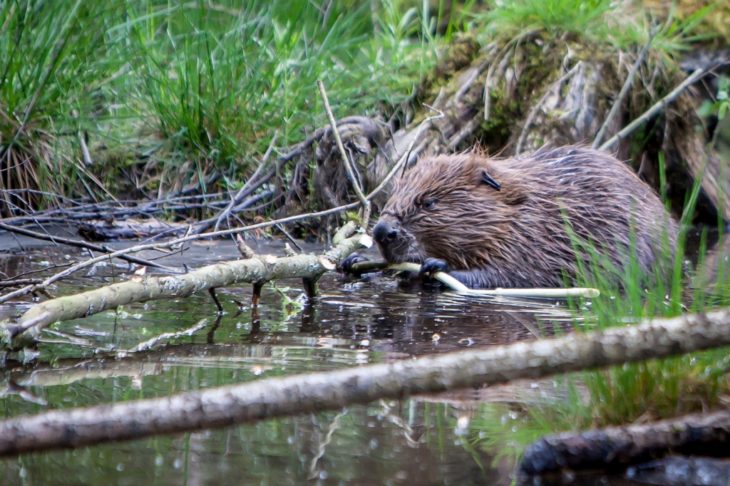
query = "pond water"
x=421 y=440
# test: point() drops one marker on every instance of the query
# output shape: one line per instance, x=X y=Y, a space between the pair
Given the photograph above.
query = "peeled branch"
x=453 y=284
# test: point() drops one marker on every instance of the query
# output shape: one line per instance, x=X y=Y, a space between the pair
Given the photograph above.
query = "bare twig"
x=658 y=107
x=455 y=285
x=83 y=244
x=618 y=103
x=85 y=154
x=354 y=181
x=241 y=192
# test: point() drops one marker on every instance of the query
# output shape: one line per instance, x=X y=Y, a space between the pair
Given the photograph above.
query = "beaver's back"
x=517 y=221
x=600 y=199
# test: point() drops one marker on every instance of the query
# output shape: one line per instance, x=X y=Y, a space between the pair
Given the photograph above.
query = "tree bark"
x=262 y=268
x=277 y=397
x=618 y=446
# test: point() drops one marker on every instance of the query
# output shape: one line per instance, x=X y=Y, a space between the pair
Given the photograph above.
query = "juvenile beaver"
x=508 y=223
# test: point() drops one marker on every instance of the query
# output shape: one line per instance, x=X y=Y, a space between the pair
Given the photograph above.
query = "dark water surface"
x=422 y=440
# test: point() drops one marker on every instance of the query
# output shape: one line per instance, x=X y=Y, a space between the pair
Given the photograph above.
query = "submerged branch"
x=615 y=446
x=315 y=392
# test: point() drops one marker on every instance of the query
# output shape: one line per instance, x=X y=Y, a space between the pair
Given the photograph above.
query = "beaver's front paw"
x=346 y=264
x=432 y=265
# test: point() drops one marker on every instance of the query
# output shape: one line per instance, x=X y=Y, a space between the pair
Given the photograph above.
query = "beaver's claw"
x=432 y=265
x=346 y=264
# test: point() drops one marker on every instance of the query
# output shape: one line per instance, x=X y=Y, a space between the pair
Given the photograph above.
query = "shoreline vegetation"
x=289 y=117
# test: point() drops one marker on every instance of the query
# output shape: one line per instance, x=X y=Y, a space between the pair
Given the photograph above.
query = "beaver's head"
x=457 y=208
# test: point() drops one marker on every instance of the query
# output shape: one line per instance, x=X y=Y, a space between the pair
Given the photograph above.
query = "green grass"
x=49 y=69
x=649 y=390
x=167 y=93
x=599 y=21
x=186 y=88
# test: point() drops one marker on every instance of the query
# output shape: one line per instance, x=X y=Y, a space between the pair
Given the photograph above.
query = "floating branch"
x=261 y=268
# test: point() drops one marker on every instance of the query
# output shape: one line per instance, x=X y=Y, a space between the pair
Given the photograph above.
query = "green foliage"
x=50 y=68
x=647 y=390
x=520 y=16
x=617 y=24
x=193 y=86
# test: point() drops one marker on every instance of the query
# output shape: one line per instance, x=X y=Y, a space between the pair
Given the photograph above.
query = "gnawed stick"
x=453 y=284
x=316 y=392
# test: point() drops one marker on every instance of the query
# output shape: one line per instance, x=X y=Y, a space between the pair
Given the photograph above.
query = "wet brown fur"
x=519 y=236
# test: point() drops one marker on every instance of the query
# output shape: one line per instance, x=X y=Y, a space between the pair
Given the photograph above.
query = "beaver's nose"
x=384 y=232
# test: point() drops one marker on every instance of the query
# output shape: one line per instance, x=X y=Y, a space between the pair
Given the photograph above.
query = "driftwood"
x=297 y=394
x=257 y=270
x=112 y=229
x=614 y=447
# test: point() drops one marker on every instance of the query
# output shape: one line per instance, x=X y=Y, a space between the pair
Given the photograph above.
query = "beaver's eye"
x=429 y=203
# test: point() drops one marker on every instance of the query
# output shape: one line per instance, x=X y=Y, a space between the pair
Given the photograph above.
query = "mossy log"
x=257 y=270
x=315 y=392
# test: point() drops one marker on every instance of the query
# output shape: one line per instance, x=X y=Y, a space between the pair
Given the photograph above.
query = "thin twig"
x=85 y=154
x=452 y=283
x=404 y=158
x=345 y=159
x=241 y=192
x=457 y=286
x=656 y=108
x=624 y=90
x=83 y=244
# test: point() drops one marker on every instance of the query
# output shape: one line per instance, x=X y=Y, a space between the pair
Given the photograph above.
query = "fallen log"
x=614 y=447
x=258 y=269
x=315 y=392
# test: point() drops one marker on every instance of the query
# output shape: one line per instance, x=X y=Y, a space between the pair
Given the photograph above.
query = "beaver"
x=527 y=221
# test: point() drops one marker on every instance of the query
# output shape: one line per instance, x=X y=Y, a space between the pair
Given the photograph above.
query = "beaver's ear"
x=489 y=180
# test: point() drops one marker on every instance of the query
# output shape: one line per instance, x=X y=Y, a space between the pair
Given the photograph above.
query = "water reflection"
x=423 y=439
